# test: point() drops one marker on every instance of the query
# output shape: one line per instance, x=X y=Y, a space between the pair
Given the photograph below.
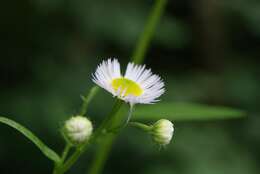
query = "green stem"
x=73 y=158
x=148 y=32
x=140 y=126
x=65 y=152
x=63 y=157
x=106 y=143
x=102 y=154
x=86 y=100
x=81 y=149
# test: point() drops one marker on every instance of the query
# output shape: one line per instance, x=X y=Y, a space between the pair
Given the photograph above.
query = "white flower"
x=78 y=129
x=162 y=132
x=138 y=85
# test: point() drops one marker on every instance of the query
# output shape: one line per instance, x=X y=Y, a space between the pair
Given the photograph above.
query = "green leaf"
x=49 y=153
x=185 y=112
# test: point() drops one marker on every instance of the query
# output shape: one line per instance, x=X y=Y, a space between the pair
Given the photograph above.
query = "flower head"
x=162 y=131
x=138 y=85
x=77 y=129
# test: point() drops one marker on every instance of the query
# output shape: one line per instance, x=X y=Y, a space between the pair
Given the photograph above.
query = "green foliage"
x=49 y=153
x=185 y=112
x=65 y=40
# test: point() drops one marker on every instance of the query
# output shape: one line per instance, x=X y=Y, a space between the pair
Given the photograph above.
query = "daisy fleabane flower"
x=138 y=85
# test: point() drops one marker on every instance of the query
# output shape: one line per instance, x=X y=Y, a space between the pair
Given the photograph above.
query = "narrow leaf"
x=185 y=112
x=27 y=133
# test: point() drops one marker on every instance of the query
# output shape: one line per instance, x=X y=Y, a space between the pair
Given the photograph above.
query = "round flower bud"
x=162 y=132
x=78 y=129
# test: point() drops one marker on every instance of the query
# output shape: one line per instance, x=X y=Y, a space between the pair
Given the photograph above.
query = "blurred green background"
x=207 y=51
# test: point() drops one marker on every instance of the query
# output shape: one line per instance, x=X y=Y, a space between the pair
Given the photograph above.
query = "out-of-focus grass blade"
x=49 y=153
x=185 y=112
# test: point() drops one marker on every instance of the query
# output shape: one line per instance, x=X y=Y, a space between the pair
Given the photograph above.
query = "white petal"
x=152 y=85
x=105 y=73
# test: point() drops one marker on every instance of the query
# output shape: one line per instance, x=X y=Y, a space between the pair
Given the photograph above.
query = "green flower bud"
x=162 y=132
x=78 y=129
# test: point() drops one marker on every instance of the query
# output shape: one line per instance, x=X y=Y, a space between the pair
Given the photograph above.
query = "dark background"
x=207 y=51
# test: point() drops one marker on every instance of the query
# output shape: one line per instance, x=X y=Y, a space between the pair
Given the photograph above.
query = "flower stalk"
x=141 y=126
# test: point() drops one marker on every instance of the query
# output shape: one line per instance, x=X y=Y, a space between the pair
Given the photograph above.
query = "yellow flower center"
x=129 y=86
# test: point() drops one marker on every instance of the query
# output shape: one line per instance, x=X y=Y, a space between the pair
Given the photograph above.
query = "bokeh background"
x=206 y=50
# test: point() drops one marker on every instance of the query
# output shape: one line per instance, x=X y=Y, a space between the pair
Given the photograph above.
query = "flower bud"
x=162 y=132
x=77 y=129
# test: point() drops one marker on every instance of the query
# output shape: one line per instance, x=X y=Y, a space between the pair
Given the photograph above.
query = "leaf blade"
x=185 y=112
x=49 y=153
